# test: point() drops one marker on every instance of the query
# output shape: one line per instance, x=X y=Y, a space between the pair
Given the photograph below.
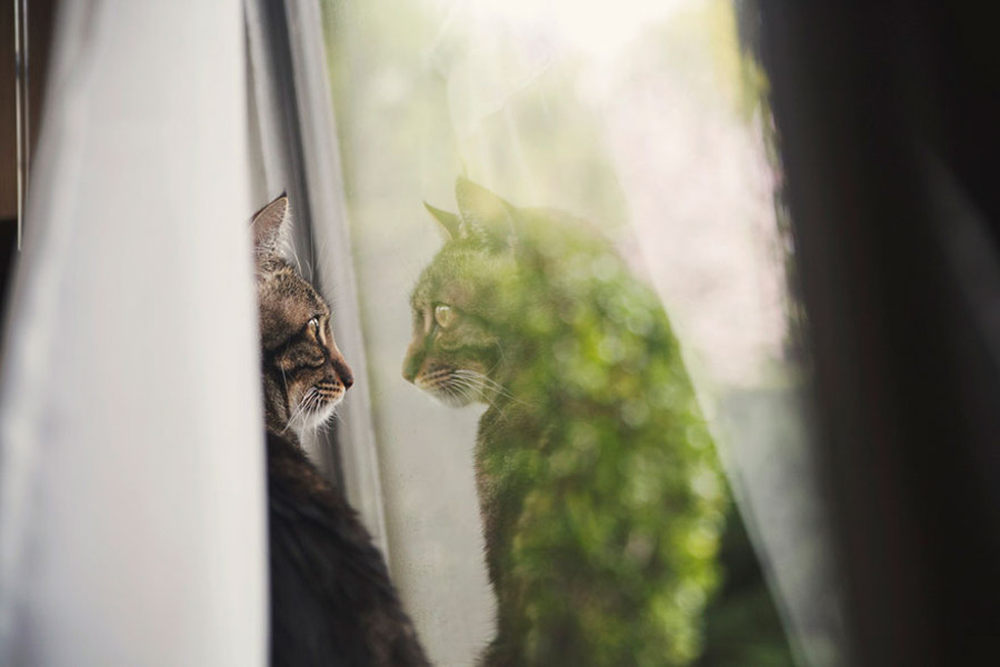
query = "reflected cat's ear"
x=449 y=221
x=485 y=216
x=270 y=227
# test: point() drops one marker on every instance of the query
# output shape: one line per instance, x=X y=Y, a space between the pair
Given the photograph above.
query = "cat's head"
x=463 y=301
x=304 y=373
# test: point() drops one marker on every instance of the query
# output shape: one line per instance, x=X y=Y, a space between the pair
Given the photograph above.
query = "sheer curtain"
x=132 y=526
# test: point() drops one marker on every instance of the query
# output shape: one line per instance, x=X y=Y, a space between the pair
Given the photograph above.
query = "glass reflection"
x=648 y=120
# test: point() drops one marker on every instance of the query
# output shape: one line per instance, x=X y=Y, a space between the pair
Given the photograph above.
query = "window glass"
x=649 y=121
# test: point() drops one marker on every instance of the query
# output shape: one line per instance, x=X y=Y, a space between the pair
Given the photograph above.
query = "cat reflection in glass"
x=598 y=483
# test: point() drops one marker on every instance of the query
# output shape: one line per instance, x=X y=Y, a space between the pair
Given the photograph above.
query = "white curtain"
x=132 y=524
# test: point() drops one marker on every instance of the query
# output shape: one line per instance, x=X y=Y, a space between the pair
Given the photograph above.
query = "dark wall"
x=888 y=127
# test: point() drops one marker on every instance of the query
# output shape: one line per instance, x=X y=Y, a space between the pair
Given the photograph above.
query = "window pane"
x=650 y=121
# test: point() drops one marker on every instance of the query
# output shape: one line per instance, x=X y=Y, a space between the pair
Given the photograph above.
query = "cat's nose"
x=411 y=365
x=343 y=372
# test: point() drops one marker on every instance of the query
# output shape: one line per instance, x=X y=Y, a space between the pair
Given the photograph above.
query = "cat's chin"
x=452 y=400
x=319 y=416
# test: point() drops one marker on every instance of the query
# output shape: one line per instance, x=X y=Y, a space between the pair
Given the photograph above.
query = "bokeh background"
x=649 y=119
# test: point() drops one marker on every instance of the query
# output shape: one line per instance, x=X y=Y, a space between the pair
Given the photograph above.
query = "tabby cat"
x=332 y=602
x=597 y=479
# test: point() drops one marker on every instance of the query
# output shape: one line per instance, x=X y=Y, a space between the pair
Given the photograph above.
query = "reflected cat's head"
x=459 y=305
x=305 y=375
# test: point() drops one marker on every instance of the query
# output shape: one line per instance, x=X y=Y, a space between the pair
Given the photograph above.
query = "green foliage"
x=600 y=488
x=742 y=626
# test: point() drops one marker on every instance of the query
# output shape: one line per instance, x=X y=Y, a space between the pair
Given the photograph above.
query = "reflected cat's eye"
x=314 y=325
x=444 y=316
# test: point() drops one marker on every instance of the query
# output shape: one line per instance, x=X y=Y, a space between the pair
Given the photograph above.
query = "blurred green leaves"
x=600 y=487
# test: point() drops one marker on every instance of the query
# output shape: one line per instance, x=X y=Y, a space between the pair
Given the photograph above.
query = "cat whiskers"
x=503 y=355
x=284 y=381
x=303 y=408
x=462 y=390
x=477 y=385
x=321 y=428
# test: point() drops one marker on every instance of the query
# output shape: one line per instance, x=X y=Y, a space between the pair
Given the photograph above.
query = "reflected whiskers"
x=474 y=385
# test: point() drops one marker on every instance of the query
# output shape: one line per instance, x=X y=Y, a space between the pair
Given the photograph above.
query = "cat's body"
x=596 y=475
x=332 y=602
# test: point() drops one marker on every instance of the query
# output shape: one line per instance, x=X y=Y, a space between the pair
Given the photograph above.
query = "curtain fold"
x=132 y=524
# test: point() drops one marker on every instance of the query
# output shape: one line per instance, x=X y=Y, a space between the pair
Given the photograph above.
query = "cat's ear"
x=485 y=216
x=449 y=221
x=270 y=227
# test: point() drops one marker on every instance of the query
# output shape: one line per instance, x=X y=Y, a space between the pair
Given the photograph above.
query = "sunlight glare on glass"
x=599 y=29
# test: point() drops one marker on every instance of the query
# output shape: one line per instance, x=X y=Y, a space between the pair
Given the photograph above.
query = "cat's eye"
x=314 y=326
x=445 y=316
